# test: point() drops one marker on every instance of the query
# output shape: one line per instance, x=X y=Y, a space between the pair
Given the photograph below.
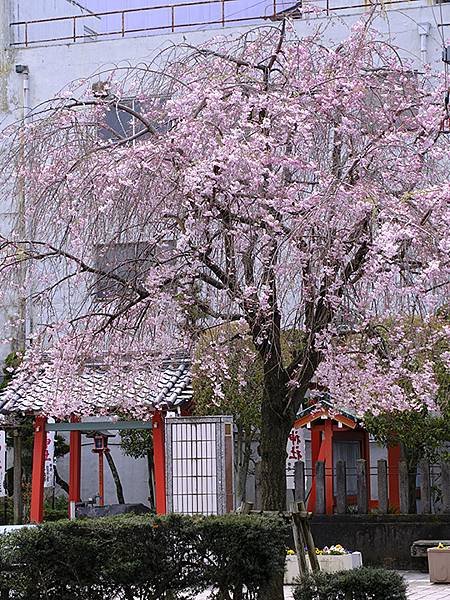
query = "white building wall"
x=51 y=67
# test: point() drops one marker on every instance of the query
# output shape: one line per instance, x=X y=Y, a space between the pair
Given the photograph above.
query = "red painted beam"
x=366 y=456
x=159 y=459
x=37 y=477
x=75 y=465
x=316 y=454
x=393 y=483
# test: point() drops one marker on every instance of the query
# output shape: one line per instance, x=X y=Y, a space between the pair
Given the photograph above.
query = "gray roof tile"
x=97 y=394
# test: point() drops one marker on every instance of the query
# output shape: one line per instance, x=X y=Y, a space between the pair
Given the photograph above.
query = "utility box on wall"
x=199 y=465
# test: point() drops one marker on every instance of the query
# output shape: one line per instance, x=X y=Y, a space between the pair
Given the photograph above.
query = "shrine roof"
x=324 y=406
x=98 y=393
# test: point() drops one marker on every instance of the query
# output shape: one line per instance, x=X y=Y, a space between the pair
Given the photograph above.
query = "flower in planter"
x=441 y=546
x=290 y=552
x=336 y=550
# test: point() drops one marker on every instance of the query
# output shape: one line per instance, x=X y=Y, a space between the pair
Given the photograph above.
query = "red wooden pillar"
x=393 y=468
x=101 y=479
x=328 y=456
x=37 y=477
x=159 y=459
x=75 y=465
x=316 y=436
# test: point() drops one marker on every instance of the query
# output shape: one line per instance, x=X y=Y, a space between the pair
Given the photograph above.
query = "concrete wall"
x=24 y=10
x=383 y=540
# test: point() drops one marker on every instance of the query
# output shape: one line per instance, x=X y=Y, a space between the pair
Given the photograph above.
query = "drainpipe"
x=22 y=300
x=423 y=29
x=21 y=219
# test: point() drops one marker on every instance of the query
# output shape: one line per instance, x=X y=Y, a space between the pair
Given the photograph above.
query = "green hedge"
x=364 y=583
x=143 y=557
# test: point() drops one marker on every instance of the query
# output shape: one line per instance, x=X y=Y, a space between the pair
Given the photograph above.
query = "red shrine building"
x=339 y=435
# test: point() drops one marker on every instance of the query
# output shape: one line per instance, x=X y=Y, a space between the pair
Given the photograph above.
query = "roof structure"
x=98 y=393
x=324 y=408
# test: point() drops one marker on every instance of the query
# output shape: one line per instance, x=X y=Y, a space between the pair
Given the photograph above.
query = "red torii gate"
x=24 y=395
x=76 y=427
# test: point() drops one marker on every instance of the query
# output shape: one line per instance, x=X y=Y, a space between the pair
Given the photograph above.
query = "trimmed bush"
x=143 y=557
x=364 y=583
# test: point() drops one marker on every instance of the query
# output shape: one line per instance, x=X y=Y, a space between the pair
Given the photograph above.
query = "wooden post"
x=258 y=497
x=445 y=486
x=361 y=487
x=320 y=487
x=341 y=488
x=159 y=462
x=307 y=536
x=17 y=488
x=246 y=508
x=37 y=477
x=299 y=481
x=403 y=486
x=74 y=466
x=299 y=540
x=328 y=451
x=229 y=467
x=382 y=476
x=425 y=487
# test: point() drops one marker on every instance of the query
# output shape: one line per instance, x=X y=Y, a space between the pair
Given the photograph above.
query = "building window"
x=131 y=261
x=119 y=124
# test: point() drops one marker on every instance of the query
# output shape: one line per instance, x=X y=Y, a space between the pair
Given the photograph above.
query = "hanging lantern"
x=100 y=442
x=100 y=439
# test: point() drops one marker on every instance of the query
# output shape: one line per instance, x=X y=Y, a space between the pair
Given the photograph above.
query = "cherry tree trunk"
x=274 y=435
x=275 y=430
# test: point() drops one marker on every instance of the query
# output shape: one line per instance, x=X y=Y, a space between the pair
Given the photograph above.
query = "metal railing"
x=168 y=14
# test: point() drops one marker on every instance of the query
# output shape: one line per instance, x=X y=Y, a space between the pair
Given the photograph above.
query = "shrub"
x=56 y=510
x=364 y=583
x=143 y=557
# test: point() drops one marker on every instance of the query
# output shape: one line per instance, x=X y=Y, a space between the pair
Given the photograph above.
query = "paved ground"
x=419 y=588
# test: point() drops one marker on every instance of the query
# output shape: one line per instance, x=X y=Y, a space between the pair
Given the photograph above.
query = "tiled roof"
x=96 y=393
x=324 y=402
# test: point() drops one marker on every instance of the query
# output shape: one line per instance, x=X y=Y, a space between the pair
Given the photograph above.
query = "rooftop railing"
x=178 y=16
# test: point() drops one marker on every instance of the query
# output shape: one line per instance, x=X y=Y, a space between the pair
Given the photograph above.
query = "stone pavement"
x=420 y=588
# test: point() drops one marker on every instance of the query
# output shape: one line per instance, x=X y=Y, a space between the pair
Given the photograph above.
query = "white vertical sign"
x=2 y=462
x=49 y=470
x=295 y=451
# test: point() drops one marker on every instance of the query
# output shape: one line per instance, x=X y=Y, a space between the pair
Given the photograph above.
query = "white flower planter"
x=439 y=565
x=291 y=571
x=329 y=563
x=356 y=560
